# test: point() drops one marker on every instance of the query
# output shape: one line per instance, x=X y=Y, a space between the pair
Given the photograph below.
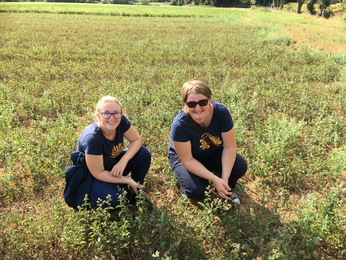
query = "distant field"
x=116 y=10
x=282 y=76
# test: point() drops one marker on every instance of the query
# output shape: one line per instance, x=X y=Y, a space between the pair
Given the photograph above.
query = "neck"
x=109 y=134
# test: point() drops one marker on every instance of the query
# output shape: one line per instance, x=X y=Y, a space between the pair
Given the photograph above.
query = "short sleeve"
x=178 y=133
x=92 y=144
x=125 y=124
x=225 y=119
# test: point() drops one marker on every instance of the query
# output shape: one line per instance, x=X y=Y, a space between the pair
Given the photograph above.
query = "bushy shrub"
x=123 y=2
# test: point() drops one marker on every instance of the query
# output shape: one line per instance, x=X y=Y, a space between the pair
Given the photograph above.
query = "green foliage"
x=310 y=6
x=279 y=150
x=337 y=160
x=121 y=2
x=322 y=221
x=287 y=101
x=272 y=35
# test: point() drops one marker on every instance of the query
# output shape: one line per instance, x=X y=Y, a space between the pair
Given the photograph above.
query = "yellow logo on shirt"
x=117 y=150
x=216 y=140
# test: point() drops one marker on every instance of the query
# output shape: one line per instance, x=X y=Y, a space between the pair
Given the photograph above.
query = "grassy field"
x=283 y=77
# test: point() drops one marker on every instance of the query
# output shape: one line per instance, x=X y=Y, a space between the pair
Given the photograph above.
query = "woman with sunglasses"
x=192 y=157
x=109 y=163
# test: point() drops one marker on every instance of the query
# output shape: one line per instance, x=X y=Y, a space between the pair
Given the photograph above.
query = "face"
x=198 y=113
x=109 y=125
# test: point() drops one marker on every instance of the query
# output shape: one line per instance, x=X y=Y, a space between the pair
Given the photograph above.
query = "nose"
x=198 y=106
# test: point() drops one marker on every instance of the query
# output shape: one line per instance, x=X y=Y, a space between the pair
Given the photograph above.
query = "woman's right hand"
x=224 y=191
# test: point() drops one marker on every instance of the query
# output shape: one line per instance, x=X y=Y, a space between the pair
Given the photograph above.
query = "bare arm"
x=183 y=150
x=135 y=144
x=229 y=153
x=96 y=168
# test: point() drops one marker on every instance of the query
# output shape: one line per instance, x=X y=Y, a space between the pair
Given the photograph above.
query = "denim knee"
x=195 y=193
x=144 y=155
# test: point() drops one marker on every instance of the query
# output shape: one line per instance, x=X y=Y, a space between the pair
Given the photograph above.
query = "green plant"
x=310 y=6
x=278 y=148
x=321 y=221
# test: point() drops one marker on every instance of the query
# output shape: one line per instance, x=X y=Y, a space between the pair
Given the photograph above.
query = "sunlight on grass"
x=287 y=99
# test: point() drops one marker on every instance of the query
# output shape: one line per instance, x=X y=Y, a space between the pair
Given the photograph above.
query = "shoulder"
x=219 y=107
x=222 y=117
x=220 y=110
x=125 y=120
x=93 y=131
x=125 y=124
x=180 y=119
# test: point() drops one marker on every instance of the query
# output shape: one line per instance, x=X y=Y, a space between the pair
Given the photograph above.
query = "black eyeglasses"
x=202 y=103
x=107 y=115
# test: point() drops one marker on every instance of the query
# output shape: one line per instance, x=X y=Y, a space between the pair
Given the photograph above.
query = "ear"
x=98 y=117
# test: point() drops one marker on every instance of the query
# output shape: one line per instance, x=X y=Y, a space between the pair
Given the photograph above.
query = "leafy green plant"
x=322 y=222
x=336 y=160
x=278 y=148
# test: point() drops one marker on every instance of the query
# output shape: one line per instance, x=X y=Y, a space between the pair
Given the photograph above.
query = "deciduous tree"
x=300 y=4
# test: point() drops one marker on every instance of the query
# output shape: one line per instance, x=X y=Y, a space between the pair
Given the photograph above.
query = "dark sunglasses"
x=201 y=103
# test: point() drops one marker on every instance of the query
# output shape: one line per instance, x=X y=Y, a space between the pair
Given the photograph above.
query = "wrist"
x=125 y=158
x=224 y=177
x=214 y=178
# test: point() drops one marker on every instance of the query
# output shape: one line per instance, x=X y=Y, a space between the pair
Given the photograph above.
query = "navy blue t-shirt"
x=92 y=141
x=182 y=130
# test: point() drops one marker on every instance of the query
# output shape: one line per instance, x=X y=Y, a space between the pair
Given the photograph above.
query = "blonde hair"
x=196 y=87
x=105 y=100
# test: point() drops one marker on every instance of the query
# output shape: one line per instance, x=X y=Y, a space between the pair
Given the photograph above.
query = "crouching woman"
x=106 y=163
x=202 y=143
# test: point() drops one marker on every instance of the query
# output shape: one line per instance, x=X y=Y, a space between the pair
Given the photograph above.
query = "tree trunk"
x=276 y=3
x=282 y=4
x=323 y=6
x=300 y=4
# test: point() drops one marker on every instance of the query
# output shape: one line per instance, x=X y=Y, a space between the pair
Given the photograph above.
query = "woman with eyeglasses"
x=195 y=155
x=108 y=161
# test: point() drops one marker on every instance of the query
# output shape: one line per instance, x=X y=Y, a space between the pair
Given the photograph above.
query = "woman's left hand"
x=119 y=168
x=223 y=190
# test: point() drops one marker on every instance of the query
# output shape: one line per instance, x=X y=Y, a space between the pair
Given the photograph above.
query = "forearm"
x=227 y=160
x=198 y=169
x=132 y=150
x=106 y=176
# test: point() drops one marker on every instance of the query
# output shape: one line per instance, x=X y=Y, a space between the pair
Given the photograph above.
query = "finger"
x=226 y=197
x=217 y=194
x=136 y=191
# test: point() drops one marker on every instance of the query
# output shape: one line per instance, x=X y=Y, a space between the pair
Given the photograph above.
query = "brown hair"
x=196 y=87
x=105 y=100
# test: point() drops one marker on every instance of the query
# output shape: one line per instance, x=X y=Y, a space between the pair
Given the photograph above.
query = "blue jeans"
x=138 y=166
x=193 y=186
